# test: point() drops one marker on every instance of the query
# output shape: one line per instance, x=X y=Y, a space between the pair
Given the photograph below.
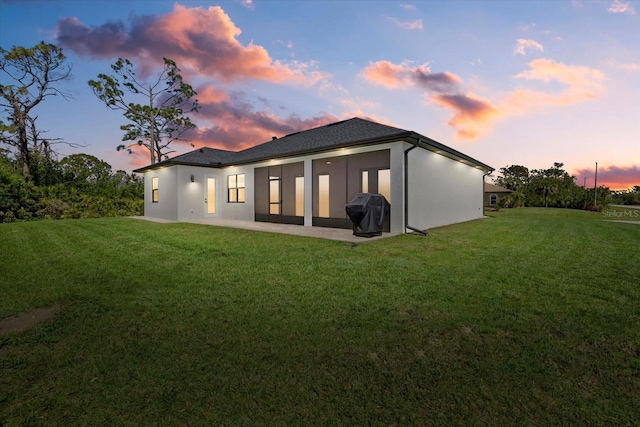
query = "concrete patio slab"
x=296 y=230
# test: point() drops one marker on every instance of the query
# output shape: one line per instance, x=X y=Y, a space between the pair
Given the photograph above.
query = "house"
x=493 y=192
x=307 y=178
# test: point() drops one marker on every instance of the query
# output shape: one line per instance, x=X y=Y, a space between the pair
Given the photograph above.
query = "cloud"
x=614 y=177
x=248 y=4
x=580 y=79
x=474 y=116
x=524 y=45
x=408 y=6
x=408 y=25
x=393 y=76
x=201 y=40
x=387 y=74
x=231 y=122
x=619 y=7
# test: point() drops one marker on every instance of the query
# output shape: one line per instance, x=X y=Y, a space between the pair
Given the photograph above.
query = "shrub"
x=7 y=217
x=52 y=208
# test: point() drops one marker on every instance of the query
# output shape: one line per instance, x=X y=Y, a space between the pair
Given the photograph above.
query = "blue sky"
x=506 y=82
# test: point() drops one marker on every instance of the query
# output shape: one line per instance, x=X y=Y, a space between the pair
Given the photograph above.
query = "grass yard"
x=531 y=317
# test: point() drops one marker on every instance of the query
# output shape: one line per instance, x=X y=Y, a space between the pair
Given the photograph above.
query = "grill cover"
x=367 y=212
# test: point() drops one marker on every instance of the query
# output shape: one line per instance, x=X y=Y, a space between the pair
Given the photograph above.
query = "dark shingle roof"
x=204 y=156
x=335 y=135
x=346 y=133
x=492 y=188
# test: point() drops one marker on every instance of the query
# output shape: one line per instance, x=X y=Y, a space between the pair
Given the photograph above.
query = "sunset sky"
x=506 y=82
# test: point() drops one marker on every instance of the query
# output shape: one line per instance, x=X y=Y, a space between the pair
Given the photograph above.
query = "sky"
x=506 y=82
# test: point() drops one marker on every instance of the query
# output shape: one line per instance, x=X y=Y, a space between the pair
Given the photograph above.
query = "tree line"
x=555 y=187
x=34 y=183
x=78 y=186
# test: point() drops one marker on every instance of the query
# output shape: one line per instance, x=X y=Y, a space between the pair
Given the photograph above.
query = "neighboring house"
x=308 y=177
x=493 y=192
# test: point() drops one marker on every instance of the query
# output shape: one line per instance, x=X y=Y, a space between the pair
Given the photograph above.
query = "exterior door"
x=210 y=197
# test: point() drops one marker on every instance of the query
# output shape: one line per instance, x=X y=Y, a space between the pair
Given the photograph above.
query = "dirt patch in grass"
x=25 y=321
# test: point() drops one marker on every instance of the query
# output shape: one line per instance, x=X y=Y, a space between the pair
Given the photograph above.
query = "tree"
x=34 y=73
x=552 y=185
x=513 y=177
x=85 y=170
x=160 y=117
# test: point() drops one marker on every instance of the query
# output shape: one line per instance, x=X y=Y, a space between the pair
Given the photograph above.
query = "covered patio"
x=340 y=234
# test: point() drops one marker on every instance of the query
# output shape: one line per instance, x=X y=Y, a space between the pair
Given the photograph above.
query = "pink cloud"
x=614 y=177
x=203 y=40
x=392 y=76
x=524 y=45
x=387 y=74
x=474 y=116
x=208 y=94
x=234 y=133
x=581 y=84
x=619 y=7
x=230 y=121
x=572 y=75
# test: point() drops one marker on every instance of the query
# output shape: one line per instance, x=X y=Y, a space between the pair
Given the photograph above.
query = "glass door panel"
x=211 y=196
x=323 y=196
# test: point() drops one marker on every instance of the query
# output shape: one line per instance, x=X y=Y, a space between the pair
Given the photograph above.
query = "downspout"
x=483 y=177
x=406 y=190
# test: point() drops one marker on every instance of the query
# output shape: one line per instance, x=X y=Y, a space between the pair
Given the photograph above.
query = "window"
x=323 y=196
x=299 y=195
x=365 y=181
x=274 y=195
x=376 y=181
x=236 y=188
x=493 y=199
x=154 y=189
x=384 y=183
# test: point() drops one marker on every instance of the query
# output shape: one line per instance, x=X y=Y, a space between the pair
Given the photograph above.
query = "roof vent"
x=200 y=150
x=273 y=138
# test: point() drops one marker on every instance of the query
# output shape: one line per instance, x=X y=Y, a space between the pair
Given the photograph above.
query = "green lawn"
x=531 y=317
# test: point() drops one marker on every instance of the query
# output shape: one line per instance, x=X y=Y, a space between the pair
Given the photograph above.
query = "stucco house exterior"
x=307 y=178
x=492 y=193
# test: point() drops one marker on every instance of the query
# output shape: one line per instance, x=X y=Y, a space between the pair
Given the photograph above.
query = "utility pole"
x=595 y=187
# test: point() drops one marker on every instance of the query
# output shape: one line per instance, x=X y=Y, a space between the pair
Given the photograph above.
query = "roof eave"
x=438 y=148
x=177 y=163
